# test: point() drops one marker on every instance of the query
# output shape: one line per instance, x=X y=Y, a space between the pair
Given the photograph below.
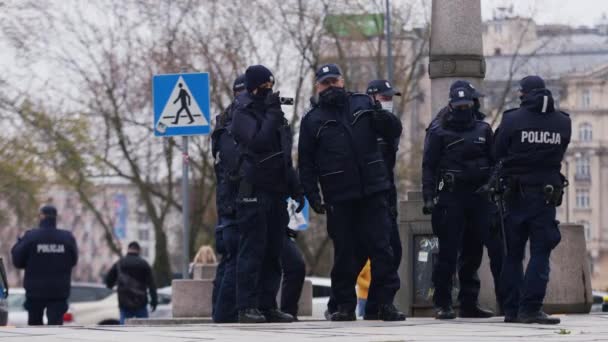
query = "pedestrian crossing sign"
x=181 y=104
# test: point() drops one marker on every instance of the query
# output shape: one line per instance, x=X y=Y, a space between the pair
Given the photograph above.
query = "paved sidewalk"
x=573 y=328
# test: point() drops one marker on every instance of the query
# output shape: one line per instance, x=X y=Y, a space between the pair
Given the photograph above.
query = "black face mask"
x=262 y=93
x=333 y=96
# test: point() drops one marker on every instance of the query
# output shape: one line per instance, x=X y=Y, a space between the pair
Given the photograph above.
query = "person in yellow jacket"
x=363 y=281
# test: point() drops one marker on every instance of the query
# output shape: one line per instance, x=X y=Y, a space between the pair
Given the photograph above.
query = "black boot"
x=343 y=315
x=511 y=319
x=537 y=317
x=251 y=316
x=390 y=313
x=277 y=316
x=445 y=313
x=474 y=311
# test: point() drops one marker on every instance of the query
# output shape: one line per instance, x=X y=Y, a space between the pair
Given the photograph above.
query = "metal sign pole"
x=185 y=207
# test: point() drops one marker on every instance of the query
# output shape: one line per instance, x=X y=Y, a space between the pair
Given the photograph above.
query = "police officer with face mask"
x=267 y=179
x=339 y=149
x=457 y=161
x=471 y=254
x=225 y=153
x=530 y=145
x=383 y=93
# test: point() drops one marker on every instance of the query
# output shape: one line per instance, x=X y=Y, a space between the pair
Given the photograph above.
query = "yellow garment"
x=365 y=277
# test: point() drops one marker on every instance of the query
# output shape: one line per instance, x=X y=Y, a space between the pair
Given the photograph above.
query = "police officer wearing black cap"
x=267 y=178
x=48 y=255
x=225 y=153
x=530 y=145
x=471 y=254
x=457 y=161
x=338 y=148
x=382 y=92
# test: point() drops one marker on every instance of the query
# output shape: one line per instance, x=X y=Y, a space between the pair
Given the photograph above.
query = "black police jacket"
x=226 y=155
x=531 y=140
x=139 y=270
x=265 y=142
x=464 y=153
x=48 y=255
x=338 y=148
x=389 y=149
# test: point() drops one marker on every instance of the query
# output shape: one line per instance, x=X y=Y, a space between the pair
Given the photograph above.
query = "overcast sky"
x=572 y=12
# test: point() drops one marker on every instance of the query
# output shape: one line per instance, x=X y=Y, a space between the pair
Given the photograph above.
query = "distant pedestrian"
x=48 y=255
x=133 y=277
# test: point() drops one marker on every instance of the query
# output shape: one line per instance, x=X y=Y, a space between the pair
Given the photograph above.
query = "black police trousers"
x=474 y=238
x=371 y=307
x=261 y=222
x=55 y=309
x=453 y=213
x=224 y=286
x=294 y=271
x=528 y=217
x=356 y=227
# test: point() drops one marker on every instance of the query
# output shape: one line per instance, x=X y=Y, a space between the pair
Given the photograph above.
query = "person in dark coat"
x=134 y=279
x=48 y=255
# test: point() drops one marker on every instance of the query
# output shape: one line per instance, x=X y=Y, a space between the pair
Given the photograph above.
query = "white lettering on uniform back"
x=50 y=248
x=532 y=137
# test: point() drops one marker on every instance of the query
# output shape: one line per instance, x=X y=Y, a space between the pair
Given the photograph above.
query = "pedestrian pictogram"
x=181 y=104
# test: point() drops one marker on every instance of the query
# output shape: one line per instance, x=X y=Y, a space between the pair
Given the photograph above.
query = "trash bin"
x=3 y=295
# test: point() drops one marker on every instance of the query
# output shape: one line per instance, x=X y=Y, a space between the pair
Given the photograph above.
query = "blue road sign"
x=297 y=221
x=181 y=104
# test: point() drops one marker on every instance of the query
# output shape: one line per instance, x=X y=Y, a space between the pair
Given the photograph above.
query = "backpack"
x=131 y=294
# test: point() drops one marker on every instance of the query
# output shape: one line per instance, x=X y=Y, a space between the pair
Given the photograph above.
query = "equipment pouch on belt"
x=555 y=194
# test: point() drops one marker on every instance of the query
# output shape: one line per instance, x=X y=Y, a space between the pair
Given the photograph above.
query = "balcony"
x=582 y=177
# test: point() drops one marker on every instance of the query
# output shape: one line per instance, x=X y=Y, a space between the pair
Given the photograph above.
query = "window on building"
x=143 y=235
x=583 y=167
x=586 y=98
x=582 y=198
x=497 y=51
x=585 y=132
x=587 y=227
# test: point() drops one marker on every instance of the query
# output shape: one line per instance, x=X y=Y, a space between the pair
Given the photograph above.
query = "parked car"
x=321 y=290
x=164 y=308
x=89 y=304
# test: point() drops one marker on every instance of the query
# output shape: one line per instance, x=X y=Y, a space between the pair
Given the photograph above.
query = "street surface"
x=592 y=327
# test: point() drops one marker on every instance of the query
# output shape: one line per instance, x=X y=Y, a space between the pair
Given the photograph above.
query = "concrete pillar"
x=202 y=271
x=456 y=49
x=191 y=298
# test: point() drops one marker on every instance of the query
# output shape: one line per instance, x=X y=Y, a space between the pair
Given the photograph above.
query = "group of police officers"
x=482 y=189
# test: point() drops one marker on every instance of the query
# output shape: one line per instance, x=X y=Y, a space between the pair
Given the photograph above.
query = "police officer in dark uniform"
x=382 y=92
x=267 y=179
x=530 y=146
x=338 y=148
x=471 y=254
x=226 y=157
x=48 y=255
x=457 y=161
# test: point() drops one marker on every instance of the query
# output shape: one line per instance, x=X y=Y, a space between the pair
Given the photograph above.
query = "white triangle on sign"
x=182 y=101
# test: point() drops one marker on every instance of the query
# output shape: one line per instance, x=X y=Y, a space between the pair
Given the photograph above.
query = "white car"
x=90 y=304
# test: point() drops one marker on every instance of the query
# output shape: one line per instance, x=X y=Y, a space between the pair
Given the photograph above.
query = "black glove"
x=427 y=209
x=318 y=207
x=299 y=198
x=273 y=100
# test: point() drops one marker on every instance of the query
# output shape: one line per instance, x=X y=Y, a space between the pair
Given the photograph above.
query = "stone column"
x=456 y=50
